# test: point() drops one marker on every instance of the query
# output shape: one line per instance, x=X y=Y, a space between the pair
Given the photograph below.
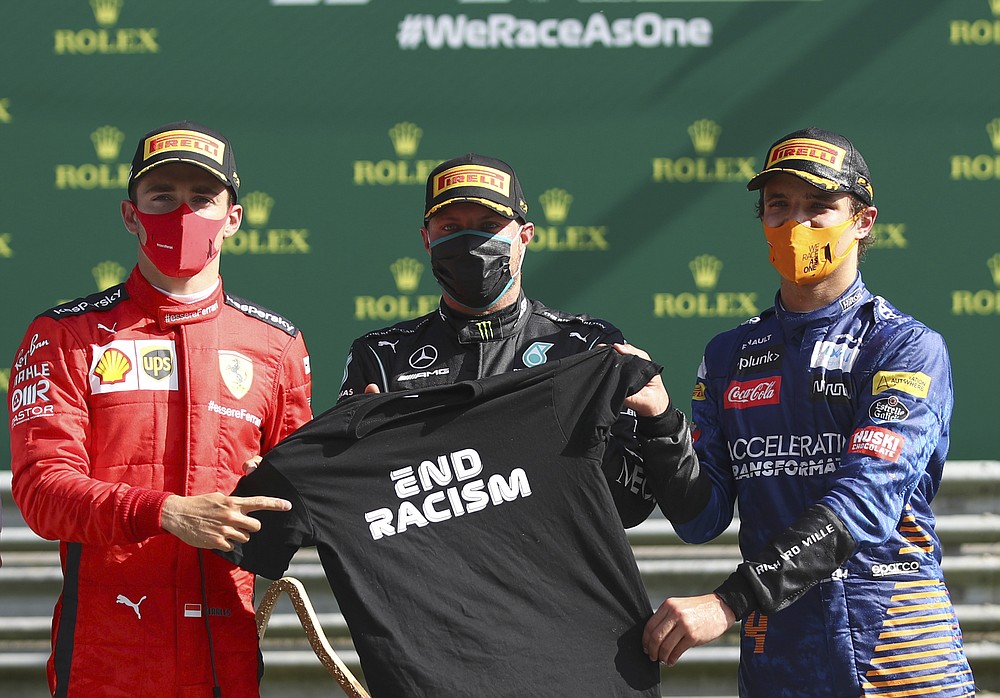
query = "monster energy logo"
x=485 y=328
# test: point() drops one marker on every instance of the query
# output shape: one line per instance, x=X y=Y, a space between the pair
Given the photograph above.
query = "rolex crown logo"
x=106 y=11
x=994 y=264
x=257 y=205
x=705 y=268
x=993 y=129
x=406 y=271
x=555 y=205
x=405 y=138
x=107 y=274
x=107 y=142
x=704 y=136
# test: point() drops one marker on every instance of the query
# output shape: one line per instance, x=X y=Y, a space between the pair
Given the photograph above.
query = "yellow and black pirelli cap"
x=824 y=159
x=188 y=142
x=477 y=179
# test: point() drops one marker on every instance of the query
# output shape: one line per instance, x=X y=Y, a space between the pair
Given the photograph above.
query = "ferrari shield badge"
x=237 y=372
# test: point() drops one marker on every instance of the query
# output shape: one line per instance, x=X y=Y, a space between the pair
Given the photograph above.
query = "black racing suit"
x=445 y=347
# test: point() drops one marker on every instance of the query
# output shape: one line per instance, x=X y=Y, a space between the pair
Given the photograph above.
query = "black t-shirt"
x=468 y=533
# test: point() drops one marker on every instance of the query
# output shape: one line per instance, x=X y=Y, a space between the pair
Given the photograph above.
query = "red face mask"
x=179 y=243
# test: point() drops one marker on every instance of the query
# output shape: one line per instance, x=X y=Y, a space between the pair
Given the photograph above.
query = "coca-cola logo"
x=743 y=394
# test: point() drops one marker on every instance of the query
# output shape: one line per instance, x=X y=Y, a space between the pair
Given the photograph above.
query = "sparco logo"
x=740 y=395
x=891 y=568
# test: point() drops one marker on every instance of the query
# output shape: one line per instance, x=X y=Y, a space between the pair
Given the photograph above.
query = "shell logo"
x=113 y=367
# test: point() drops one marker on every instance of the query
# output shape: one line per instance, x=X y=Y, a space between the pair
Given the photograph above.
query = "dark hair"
x=857 y=206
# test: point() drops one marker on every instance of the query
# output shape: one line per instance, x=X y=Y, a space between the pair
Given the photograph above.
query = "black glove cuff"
x=666 y=424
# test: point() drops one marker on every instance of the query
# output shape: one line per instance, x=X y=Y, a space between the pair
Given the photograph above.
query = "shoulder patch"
x=564 y=318
x=96 y=302
x=261 y=313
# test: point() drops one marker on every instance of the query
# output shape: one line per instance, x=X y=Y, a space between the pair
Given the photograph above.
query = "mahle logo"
x=406 y=273
x=984 y=301
x=107 y=39
x=977 y=32
x=107 y=274
x=706 y=302
x=557 y=237
x=982 y=167
x=405 y=138
x=705 y=166
x=255 y=237
x=108 y=173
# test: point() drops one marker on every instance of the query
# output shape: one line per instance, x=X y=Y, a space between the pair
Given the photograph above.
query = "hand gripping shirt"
x=118 y=400
x=830 y=429
x=468 y=533
x=444 y=347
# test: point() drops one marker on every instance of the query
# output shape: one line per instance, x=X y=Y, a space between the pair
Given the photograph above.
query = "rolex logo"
x=555 y=205
x=993 y=129
x=406 y=271
x=257 y=205
x=405 y=138
x=107 y=142
x=106 y=11
x=704 y=136
x=995 y=6
x=705 y=269
x=5 y=110
x=107 y=274
x=994 y=264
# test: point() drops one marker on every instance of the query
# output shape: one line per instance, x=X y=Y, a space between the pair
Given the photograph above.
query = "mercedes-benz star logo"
x=424 y=357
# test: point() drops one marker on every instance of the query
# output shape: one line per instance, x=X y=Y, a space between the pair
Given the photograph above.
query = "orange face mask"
x=805 y=255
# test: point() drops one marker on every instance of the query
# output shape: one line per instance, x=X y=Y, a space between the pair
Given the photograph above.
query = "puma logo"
x=578 y=336
x=110 y=330
x=134 y=606
x=384 y=343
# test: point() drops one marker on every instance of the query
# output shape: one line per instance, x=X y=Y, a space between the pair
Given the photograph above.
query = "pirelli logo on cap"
x=188 y=141
x=807 y=149
x=472 y=176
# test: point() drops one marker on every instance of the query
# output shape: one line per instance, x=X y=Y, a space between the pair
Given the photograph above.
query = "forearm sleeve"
x=672 y=467
x=807 y=552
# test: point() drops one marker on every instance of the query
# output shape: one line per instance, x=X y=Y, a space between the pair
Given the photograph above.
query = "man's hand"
x=651 y=400
x=681 y=623
x=214 y=520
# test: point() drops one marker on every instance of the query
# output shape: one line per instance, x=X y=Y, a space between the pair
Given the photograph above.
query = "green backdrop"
x=633 y=125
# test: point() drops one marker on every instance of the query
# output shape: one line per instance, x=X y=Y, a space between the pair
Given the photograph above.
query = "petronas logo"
x=107 y=274
x=106 y=11
x=704 y=136
x=994 y=264
x=705 y=269
x=257 y=206
x=406 y=271
x=535 y=355
x=555 y=205
x=405 y=138
x=107 y=142
x=993 y=129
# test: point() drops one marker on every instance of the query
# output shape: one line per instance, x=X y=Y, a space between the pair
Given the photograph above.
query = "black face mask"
x=472 y=267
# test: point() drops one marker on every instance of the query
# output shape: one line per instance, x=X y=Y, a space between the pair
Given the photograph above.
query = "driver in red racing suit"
x=129 y=407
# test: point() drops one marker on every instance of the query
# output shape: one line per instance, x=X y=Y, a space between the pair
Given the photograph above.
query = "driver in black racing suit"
x=476 y=234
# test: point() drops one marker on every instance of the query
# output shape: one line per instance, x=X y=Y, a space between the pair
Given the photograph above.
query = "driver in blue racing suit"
x=826 y=420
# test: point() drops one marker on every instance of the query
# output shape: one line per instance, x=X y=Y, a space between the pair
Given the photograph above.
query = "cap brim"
x=187 y=161
x=761 y=178
x=505 y=211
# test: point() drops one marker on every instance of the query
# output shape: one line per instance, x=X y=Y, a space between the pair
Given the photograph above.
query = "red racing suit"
x=118 y=400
